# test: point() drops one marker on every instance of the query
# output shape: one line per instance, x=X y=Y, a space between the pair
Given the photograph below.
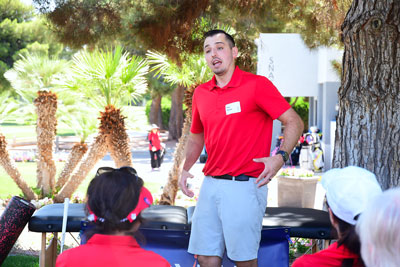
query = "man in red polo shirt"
x=232 y=116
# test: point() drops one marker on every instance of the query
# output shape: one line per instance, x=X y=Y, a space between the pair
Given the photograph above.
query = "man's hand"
x=272 y=166
x=183 y=183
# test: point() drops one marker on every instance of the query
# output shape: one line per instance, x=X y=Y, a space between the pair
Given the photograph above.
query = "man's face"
x=219 y=55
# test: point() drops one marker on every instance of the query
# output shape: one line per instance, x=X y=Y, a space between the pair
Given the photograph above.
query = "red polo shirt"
x=237 y=122
x=110 y=250
x=333 y=256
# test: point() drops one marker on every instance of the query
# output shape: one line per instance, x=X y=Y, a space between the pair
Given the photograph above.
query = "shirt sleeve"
x=197 y=125
x=269 y=99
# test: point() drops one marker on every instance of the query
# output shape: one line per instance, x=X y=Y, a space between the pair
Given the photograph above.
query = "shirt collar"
x=234 y=82
x=113 y=240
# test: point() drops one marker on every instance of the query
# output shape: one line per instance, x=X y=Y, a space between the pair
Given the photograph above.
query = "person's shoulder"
x=248 y=76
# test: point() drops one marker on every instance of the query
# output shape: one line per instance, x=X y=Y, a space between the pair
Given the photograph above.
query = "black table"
x=301 y=222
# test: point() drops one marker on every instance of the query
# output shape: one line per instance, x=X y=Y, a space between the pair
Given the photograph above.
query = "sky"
x=28 y=2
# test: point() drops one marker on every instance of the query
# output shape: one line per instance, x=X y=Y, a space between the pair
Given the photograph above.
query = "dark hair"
x=112 y=195
x=349 y=238
x=228 y=37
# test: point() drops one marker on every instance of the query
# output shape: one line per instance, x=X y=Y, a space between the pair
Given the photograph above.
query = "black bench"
x=174 y=222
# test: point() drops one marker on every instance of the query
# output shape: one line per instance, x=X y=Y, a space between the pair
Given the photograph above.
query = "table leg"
x=42 y=255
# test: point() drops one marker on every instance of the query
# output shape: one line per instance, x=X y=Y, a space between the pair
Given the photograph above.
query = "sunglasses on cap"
x=126 y=169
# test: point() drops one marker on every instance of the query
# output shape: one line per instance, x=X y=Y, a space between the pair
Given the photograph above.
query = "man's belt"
x=241 y=177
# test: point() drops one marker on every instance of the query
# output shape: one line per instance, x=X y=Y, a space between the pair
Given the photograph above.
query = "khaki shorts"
x=228 y=215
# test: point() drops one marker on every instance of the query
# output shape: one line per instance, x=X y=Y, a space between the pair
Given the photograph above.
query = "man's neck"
x=224 y=79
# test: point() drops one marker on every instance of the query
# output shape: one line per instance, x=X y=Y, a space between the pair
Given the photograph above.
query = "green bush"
x=165 y=111
x=301 y=107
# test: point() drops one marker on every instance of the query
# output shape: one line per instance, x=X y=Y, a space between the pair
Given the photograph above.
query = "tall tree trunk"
x=171 y=188
x=96 y=152
x=74 y=157
x=368 y=123
x=11 y=169
x=46 y=107
x=113 y=126
x=156 y=112
x=176 y=115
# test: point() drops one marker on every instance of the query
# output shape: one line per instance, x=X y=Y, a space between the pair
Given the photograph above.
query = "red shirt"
x=154 y=139
x=237 y=122
x=110 y=250
x=333 y=256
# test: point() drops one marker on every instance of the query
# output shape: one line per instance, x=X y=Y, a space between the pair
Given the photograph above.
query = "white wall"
x=288 y=63
x=292 y=66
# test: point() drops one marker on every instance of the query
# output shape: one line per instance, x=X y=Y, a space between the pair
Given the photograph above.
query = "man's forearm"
x=293 y=129
x=193 y=150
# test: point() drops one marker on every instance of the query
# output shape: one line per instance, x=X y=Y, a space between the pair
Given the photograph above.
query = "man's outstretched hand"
x=183 y=183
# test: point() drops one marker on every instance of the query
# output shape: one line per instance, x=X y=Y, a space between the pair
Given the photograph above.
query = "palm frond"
x=110 y=77
x=193 y=70
x=33 y=73
x=8 y=105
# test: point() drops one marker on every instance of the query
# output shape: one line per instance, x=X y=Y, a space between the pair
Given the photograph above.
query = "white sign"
x=294 y=69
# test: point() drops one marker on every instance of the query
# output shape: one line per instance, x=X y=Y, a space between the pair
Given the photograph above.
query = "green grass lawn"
x=28 y=172
x=13 y=130
x=21 y=261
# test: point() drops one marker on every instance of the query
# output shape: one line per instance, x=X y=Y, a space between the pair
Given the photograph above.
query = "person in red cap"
x=115 y=198
x=155 y=147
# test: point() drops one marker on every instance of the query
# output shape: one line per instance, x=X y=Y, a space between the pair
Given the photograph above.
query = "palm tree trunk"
x=11 y=169
x=176 y=115
x=117 y=137
x=156 y=111
x=77 y=153
x=171 y=188
x=96 y=152
x=46 y=107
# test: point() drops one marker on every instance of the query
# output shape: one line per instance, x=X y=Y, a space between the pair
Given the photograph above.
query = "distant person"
x=348 y=192
x=155 y=147
x=378 y=228
x=115 y=198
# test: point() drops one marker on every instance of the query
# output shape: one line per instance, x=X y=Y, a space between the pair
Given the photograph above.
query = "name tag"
x=232 y=108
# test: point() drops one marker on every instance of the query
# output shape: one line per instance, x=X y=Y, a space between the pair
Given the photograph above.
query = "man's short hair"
x=229 y=37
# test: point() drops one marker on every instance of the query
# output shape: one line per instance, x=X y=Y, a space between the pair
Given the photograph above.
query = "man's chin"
x=218 y=71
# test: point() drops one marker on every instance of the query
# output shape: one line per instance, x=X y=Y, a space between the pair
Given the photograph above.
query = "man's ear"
x=235 y=52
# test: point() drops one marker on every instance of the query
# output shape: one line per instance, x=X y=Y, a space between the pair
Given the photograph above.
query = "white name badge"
x=232 y=108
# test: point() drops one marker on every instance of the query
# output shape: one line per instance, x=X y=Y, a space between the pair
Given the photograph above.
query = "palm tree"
x=8 y=106
x=110 y=79
x=35 y=78
x=193 y=72
x=83 y=120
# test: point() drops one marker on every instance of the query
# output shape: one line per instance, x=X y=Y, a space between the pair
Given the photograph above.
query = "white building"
x=298 y=71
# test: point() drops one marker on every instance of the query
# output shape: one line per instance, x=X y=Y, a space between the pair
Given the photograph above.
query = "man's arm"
x=193 y=150
x=293 y=128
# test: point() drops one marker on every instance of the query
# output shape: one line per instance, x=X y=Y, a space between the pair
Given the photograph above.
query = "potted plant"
x=296 y=188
